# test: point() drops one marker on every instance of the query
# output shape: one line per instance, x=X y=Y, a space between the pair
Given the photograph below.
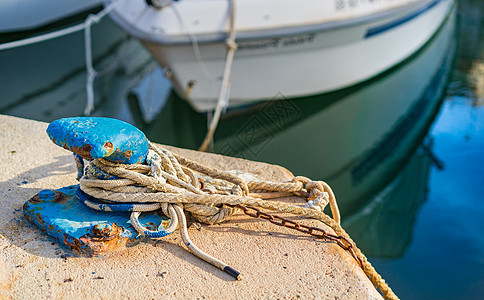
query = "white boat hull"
x=357 y=142
x=340 y=54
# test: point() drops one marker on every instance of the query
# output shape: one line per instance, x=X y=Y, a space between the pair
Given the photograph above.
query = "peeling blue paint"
x=61 y=215
x=95 y=137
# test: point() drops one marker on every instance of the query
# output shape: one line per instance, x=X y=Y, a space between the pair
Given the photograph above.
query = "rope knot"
x=317 y=198
x=302 y=179
x=231 y=45
x=166 y=211
x=237 y=190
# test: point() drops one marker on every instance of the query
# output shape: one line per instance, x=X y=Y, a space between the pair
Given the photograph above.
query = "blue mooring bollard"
x=62 y=214
x=96 y=137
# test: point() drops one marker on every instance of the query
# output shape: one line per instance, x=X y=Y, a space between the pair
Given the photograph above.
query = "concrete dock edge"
x=277 y=263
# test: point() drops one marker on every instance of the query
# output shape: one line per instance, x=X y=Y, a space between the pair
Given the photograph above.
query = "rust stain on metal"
x=105 y=233
x=151 y=226
x=108 y=146
x=119 y=153
x=97 y=242
x=59 y=197
x=61 y=215
x=34 y=199
x=84 y=151
x=105 y=240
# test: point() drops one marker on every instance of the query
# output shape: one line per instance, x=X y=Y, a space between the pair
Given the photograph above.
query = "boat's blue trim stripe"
x=387 y=26
x=260 y=34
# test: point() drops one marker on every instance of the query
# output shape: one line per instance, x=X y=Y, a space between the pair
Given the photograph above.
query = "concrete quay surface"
x=277 y=262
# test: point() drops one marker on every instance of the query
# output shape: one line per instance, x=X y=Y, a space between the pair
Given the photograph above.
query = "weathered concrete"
x=276 y=262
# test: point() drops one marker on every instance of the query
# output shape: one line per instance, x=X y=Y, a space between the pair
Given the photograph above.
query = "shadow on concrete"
x=14 y=193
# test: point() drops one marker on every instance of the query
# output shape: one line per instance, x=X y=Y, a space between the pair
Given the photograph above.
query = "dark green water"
x=403 y=152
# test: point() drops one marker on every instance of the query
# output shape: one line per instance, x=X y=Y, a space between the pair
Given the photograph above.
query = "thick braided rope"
x=375 y=278
x=179 y=189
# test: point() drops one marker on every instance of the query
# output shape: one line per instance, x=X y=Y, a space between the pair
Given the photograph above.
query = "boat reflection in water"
x=357 y=139
x=47 y=80
x=383 y=226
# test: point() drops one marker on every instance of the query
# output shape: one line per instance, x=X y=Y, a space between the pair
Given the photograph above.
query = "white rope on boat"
x=58 y=33
x=43 y=37
x=91 y=72
x=86 y=26
x=223 y=98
